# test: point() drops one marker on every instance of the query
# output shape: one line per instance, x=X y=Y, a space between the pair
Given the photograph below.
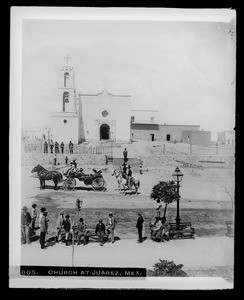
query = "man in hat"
x=67 y=227
x=129 y=176
x=124 y=170
x=71 y=147
x=125 y=154
x=43 y=209
x=25 y=223
x=110 y=226
x=100 y=231
x=51 y=146
x=62 y=147
x=71 y=169
x=43 y=229
x=81 y=232
x=33 y=217
x=139 y=226
x=60 y=226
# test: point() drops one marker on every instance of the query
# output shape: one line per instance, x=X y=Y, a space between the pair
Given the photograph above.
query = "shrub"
x=166 y=268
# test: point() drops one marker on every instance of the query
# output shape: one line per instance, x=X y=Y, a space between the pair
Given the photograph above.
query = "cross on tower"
x=67 y=57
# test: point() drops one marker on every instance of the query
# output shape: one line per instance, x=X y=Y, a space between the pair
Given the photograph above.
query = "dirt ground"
x=206 y=201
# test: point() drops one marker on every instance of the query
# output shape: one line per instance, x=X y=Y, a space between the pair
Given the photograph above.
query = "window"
x=104 y=113
x=65 y=99
x=167 y=137
x=132 y=119
x=66 y=77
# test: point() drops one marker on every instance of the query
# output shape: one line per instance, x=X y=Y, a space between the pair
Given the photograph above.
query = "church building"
x=84 y=117
x=89 y=117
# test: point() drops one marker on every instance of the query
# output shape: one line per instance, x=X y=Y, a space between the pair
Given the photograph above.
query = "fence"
x=30 y=147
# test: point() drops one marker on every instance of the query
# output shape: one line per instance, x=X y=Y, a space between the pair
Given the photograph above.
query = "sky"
x=186 y=70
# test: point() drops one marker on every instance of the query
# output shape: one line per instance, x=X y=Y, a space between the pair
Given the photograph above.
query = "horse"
x=135 y=182
x=44 y=174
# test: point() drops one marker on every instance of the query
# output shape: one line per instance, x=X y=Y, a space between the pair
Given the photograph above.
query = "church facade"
x=84 y=117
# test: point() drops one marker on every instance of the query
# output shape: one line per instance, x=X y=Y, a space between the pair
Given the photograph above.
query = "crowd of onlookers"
x=56 y=147
x=75 y=230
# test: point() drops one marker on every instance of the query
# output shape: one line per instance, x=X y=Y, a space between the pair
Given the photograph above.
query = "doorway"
x=167 y=137
x=104 y=132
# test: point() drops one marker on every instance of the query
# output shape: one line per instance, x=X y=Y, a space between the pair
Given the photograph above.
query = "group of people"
x=57 y=148
x=28 y=224
x=66 y=228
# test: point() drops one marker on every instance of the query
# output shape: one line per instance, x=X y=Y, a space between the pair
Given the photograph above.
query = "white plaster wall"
x=144 y=116
x=118 y=116
x=65 y=132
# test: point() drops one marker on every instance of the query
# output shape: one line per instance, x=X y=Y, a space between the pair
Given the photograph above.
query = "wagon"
x=96 y=180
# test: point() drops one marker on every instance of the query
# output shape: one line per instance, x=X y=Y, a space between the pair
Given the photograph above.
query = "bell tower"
x=65 y=120
x=67 y=92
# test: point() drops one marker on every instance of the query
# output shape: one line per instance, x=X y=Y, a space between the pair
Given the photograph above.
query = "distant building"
x=29 y=135
x=197 y=137
x=226 y=137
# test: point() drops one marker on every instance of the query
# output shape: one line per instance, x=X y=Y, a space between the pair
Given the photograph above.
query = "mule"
x=44 y=174
x=135 y=182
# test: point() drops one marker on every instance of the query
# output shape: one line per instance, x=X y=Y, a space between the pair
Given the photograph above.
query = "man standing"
x=62 y=147
x=71 y=147
x=55 y=159
x=60 y=225
x=110 y=226
x=100 y=231
x=139 y=226
x=33 y=218
x=43 y=229
x=56 y=147
x=125 y=153
x=25 y=223
x=66 y=160
x=67 y=227
x=51 y=146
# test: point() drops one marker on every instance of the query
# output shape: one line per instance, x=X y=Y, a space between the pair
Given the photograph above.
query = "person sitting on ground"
x=100 y=231
x=157 y=229
x=81 y=232
x=165 y=230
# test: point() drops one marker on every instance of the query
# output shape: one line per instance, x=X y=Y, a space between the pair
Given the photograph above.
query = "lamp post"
x=177 y=176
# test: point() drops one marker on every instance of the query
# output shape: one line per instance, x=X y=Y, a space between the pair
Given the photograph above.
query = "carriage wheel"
x=69 y=184
x=99 y=184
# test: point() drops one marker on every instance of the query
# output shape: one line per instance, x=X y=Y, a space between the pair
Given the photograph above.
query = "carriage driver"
x=71 y=169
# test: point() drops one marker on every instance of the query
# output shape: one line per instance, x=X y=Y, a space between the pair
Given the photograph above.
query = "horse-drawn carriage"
x=95 y=179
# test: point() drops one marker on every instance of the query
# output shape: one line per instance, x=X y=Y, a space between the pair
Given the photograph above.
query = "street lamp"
x=177 y=176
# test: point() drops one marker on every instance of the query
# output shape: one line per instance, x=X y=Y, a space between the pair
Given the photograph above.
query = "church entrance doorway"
x=104 y=132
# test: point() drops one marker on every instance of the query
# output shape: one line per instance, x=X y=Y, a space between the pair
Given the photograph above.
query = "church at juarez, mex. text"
x=101 y=116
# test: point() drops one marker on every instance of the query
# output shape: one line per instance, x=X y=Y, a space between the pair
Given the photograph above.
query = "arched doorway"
x=104 y=132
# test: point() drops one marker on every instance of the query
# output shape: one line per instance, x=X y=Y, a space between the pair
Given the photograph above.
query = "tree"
x=165 y=192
